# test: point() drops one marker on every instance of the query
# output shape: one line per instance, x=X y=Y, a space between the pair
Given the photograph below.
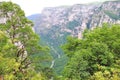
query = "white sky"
x=35 y=6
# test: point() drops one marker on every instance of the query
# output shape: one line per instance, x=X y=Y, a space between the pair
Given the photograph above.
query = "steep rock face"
x=56 y=23
x=69 y=19
x=108 y=12
x=74 y=19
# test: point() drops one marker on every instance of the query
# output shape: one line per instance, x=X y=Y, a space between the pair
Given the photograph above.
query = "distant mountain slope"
x=56 y=23
x=34 y=16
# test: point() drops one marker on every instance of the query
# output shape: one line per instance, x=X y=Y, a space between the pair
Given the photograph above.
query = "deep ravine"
x=58 y=56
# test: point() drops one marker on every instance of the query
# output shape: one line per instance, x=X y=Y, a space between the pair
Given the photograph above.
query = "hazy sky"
x=35 y=6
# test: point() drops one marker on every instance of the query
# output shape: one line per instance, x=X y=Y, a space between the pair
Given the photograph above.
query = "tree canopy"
x=97 y=53
x=20 y=52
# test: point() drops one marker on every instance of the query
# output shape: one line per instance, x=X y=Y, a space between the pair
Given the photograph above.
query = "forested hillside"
x=78 y=46
x=54 y=24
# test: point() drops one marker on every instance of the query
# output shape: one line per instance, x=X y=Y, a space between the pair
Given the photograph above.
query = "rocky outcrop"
x=108 y=12
x=75 y=19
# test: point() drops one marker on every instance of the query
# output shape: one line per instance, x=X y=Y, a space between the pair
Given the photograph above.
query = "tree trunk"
x=1 y=77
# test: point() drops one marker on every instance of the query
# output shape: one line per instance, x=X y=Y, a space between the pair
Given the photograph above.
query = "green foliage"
x=77 y=66
x=98 y=48
x=48 y=72
x=72 y=24
x=54 y=38
x=113 y=74
x=70 y=47
x=60 y=64
x=112 y=15
x=20 y=51
x=7 y=59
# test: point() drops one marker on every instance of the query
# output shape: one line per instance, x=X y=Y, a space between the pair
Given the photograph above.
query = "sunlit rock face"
x=108 y=12
x=75 y=19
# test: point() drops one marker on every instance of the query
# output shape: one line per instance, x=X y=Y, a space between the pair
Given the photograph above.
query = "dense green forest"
x=94 y=57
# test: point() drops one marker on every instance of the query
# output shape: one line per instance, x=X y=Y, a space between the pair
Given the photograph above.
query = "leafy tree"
x=20 y=44
x=6 y=59
x=113 y=74
x=98 y=48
